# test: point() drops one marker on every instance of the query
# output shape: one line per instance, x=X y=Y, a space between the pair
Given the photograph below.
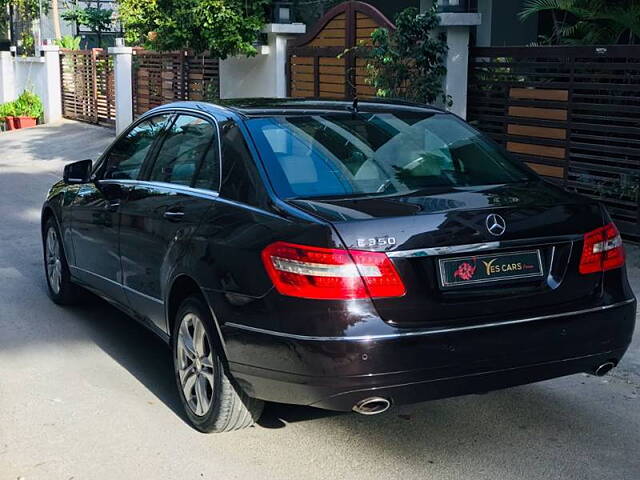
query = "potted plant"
x=7 y=114
x=28 y=109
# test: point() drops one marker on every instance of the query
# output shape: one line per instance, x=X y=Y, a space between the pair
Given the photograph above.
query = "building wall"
x=506 y=27
x=29 y=75
x=242 y=77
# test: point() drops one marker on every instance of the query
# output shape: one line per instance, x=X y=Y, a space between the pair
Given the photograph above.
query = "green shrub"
x=68 y=42
x=28 y=104
x=7 y=110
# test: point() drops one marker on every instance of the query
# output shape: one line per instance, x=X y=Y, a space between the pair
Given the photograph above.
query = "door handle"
x=113 y=206
x=174 y=215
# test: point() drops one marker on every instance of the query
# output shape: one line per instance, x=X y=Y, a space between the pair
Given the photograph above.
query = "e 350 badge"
x=376 y=242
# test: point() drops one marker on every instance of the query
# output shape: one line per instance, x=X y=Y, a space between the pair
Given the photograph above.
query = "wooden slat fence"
x=87 y=86
x=571 y=113
x=163 y=77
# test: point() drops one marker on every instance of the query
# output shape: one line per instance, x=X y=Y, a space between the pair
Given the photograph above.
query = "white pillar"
x=52 y=97
x=279 y=34
x=281 y=65
x=7 y=78
x=122 y=61
x=457 y=69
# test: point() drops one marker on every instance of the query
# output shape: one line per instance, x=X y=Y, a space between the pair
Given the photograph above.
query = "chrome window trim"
x=132 y=290
x=174 y=187
x=390 y=336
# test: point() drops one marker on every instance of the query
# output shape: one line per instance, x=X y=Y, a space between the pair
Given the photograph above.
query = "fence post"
x=7 y=77
x=457 y=27
x=53 y=88
x=122 y=67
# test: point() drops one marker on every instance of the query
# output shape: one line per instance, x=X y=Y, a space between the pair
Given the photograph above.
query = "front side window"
x=126 y=157
x=382 y=153
x=187 y=151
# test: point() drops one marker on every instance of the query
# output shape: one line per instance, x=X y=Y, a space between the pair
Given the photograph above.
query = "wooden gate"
x=163 y=77
x=314 y=69
x=87 y=86
x=571 y=113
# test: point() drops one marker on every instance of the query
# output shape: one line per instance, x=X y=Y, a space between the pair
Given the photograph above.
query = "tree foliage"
x=310 y=12
x=27 y=9
x=222 y=27
x=588 y=22
x=96 y=19
x=408 y=62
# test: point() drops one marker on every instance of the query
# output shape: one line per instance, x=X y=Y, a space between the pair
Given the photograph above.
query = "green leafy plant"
x=68 y=42
x=408 y=62
x=7 y=110
x=588 y=22
x=97 y=19
x=28 y=104
x=221 y=27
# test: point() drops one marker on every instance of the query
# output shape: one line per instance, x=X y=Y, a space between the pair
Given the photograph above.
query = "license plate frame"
x=448 y=280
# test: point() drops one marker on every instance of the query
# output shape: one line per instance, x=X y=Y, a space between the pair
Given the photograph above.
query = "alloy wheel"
x=195 y=364
x=54 y=260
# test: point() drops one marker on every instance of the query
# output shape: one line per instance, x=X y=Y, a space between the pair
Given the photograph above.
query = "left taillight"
x=330 y=274
x=602 y=250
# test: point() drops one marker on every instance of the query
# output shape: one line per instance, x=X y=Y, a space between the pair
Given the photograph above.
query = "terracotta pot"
x=10 y=122
x=25 y=122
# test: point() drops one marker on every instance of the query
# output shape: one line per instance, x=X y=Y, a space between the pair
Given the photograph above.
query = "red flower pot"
x=10 y=122
x=25 y=122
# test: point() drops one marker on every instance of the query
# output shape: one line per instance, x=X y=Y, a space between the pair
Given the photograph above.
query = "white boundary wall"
x=40 y=74
x=265 y=74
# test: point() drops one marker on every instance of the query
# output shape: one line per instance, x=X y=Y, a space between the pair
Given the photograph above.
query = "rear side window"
x=127 y=155
x=188 y=143
x=377 y=153
x=240 y=178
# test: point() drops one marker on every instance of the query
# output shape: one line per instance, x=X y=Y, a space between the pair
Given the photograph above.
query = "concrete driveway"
x=85 y=393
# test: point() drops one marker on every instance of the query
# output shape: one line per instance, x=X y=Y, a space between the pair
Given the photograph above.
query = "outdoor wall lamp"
x=282 y=12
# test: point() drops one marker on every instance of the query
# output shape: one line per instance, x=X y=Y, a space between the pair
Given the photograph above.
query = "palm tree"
x=589 y=22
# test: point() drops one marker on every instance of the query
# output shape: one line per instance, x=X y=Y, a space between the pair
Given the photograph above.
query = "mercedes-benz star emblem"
x=495 y=224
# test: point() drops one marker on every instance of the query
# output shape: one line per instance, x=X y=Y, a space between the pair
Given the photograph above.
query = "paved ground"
x=87 y=394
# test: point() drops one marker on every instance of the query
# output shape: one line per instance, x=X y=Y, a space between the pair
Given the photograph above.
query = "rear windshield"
x=377 y=154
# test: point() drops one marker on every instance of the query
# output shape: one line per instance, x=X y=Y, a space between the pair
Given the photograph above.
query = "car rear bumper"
x=336 y=373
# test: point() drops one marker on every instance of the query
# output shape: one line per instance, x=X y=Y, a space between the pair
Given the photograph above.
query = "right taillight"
x=602 y=250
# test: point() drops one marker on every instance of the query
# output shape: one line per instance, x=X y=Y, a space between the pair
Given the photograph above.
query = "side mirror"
x=77 y=172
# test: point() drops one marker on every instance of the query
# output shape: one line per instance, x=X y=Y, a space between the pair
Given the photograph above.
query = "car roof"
x=263 y=107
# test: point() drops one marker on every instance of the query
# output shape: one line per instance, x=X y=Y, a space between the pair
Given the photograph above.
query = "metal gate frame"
x=87 y=84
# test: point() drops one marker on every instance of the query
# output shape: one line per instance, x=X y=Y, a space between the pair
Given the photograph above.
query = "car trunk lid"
x=426 y=233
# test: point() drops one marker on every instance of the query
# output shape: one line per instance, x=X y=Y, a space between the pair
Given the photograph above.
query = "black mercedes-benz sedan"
x=343 y=256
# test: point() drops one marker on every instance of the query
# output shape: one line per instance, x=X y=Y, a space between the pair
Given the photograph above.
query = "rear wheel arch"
x=183 y=287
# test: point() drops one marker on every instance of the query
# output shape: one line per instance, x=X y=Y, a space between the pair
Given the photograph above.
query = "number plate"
x=489 y=268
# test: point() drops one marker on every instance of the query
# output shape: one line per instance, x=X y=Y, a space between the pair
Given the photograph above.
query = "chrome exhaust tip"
x=603 y=369
x=372 y=406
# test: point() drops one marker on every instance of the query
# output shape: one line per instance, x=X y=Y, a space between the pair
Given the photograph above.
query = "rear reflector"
x=602 y=250
x=330 y=274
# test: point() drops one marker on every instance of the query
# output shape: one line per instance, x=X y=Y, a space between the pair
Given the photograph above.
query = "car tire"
x=59 y=285
x=211 y=400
